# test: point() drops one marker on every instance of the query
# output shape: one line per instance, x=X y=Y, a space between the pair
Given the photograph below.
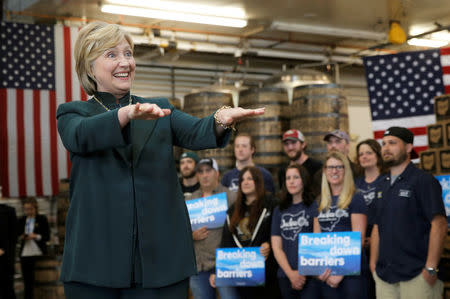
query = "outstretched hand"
x=234 y=115
x=147 y=111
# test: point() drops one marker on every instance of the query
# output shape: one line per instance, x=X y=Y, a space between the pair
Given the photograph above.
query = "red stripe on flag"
x=416 y=131
x=20 y=121
x=446 y=69
x=447 y=89
x=83 y=94
x=445 y=51
x=419 y=149
x=53 y=142
x=37 y=142
x=67 y=65
x=4 y=169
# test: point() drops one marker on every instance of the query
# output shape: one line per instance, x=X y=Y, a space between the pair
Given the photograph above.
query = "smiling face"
x=293 y=148
x=294 y=183
x=334 y=172
x=248 y=184
x=337 y=144
x=114 y=70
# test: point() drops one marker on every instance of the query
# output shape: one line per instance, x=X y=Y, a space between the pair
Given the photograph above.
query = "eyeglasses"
x=331 y=167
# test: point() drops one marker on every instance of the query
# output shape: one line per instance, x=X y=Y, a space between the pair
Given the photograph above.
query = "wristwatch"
x=432 y=271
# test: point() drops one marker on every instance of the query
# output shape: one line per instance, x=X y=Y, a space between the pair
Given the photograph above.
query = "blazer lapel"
x=140 y=133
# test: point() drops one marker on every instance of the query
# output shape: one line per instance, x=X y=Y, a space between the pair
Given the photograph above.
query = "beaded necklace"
x=106 y=108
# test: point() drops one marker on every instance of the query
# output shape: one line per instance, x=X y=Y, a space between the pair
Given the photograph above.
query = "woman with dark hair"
x=34 y=233
x=370 y=164
x=294 y=215
x=341 y=209
x=248 y=225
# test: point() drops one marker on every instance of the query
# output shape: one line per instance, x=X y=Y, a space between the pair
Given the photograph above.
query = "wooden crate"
x=429 y=161
x=442 y=107
x=436 y=135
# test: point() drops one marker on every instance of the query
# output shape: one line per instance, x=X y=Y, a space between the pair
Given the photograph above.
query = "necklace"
x=106 y=108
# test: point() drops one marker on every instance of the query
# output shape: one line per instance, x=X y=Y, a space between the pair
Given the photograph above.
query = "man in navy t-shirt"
x=410 y=225
x=244 y=148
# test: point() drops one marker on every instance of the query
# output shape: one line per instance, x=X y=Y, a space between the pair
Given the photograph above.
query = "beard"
x=396 y=161
x=188 y=175
x=296 y=156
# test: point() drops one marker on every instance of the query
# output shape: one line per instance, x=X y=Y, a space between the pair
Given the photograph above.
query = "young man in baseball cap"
x=189 y=182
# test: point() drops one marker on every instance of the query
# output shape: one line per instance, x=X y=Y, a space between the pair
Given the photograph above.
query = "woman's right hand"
x=212 y=280
x=297 y=280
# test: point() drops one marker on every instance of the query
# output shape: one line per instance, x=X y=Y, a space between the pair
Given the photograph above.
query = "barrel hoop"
x=274 y=103
x=267 y=154
x=263 y=137
x=319 y=96
x=259 y=119
x=330 y=85
x=310 y=115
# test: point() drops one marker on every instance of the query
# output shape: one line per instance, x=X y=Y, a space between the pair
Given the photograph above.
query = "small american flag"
x=37 y=74
x=402 y=87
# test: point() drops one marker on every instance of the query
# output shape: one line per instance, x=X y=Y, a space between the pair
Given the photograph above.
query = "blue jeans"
x=201 y=289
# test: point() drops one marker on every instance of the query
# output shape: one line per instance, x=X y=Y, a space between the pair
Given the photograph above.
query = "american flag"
x=37 y=74
x=402 y=87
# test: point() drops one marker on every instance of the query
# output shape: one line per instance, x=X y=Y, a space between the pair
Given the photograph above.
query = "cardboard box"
x=436 y=135
x=444 y=160
x=442 y=107
x=429 y=161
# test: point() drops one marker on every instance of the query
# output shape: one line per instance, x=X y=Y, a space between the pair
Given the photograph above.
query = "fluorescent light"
x=331 y=31
x=173 y=16
x=219 y=11
x=422 y=42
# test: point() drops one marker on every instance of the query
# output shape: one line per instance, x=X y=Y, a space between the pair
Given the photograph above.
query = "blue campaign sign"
x=209 y=211
x=239 y=267
x=445 y=183
x=338 y=251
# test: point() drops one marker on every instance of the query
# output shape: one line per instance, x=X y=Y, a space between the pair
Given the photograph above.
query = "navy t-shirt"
x=231 y=180
x=338 y=220
x=370 y=192
x=288 y=223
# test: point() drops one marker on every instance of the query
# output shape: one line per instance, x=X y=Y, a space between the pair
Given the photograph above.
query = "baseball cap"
x=207 y=161
x=339 y=134
x=293 y=134
x=191 y=155
x=404 y=134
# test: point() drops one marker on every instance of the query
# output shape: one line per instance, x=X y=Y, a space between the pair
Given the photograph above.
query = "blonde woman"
x=128 y=233
x=340 y=209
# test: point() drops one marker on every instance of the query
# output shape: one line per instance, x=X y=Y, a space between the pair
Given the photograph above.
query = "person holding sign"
x=340 y=210
x=294 y=215
x=206 y=240
x=248 y=225
x=127 y=231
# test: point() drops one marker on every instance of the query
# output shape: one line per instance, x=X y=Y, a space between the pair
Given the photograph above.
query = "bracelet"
x=221 y=123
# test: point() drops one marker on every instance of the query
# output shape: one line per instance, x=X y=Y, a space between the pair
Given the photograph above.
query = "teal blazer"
x=108 y=177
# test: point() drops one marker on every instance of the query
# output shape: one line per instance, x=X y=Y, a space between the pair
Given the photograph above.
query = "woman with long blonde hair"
x=340 y=209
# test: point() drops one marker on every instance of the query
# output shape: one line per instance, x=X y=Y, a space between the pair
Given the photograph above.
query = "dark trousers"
x=28 y=264
x=7 y=286
x=75 y=290
x=350 y=287
x=310 y=289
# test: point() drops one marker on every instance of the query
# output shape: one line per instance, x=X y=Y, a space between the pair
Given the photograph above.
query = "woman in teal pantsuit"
x=128 y=233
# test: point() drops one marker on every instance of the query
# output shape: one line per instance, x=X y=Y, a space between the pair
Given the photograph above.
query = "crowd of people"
x=397 y=209
x=128 y=232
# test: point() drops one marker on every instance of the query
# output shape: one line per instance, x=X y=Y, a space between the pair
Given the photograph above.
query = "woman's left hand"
x=264 y=249
x=334 y=280
x=233 y=115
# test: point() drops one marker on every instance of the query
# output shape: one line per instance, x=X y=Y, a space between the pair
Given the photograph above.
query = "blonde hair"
x=94 y=39
x=348 y=189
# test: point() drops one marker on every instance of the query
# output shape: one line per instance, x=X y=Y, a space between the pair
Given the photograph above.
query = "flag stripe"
x=28 y=145
x=68 y=77
x=13 y=174
x=20 y=143
x=4 y=144
x=53 y=143
x=415 y=131
x=445 y=51
x=45 y=143
x=37 y=141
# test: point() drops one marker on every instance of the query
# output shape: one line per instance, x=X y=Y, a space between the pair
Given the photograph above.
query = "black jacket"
x=41 y=227
x=8 y=239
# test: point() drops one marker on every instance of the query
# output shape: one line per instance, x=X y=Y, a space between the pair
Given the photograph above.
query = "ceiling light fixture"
x=325 y=30
x=174 y=11
x=424 y=42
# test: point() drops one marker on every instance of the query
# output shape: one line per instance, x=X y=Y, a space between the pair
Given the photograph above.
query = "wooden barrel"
x=268 y=129
x=203 y=104
x=316 y=110
x=46 y=275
